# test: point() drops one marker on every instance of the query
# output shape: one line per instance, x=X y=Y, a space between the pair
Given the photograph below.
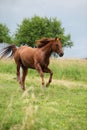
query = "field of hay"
x=62 y=106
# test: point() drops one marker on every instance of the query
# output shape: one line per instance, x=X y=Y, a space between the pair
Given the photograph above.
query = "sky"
x=71 y=13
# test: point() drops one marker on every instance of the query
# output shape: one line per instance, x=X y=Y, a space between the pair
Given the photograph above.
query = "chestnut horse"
x=35 y=58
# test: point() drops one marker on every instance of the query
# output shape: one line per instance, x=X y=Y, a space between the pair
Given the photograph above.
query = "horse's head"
x=57 y=47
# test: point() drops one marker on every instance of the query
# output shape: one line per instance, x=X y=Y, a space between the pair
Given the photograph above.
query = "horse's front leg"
x=47 y=70
x=39 y=69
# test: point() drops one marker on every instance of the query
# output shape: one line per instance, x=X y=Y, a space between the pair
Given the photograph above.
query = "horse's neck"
x=47 y=50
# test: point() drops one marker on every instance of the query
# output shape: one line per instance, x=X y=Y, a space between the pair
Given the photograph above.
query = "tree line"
x=32 y=29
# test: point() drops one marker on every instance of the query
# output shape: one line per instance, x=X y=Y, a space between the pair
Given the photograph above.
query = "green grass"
x=70 y=69
x=59 y=107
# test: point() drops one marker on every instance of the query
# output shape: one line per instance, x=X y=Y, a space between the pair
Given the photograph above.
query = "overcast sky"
x=72 y=14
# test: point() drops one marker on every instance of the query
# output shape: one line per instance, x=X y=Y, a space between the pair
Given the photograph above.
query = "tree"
x=37 y=27
x=4 y=34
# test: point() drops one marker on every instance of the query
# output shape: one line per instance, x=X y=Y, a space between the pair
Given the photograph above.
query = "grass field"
x=62 y=106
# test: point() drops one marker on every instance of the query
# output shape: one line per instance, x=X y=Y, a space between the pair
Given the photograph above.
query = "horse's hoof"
x=47 y=85
x=24 y=89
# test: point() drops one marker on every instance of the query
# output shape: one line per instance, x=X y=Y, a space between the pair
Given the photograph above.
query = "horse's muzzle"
x=61 y=54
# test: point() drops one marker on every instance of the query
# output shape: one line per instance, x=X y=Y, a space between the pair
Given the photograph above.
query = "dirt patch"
x=69 y=84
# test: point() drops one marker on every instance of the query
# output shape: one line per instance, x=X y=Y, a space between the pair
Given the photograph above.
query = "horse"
x=35 y=58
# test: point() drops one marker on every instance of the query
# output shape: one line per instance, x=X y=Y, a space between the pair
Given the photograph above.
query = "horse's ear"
x=56 y=39
x=59 y=38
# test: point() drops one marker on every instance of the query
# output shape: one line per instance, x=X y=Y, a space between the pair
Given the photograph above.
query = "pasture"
x=62 y=106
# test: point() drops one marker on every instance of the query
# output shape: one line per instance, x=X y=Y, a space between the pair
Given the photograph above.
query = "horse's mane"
x=42 y=42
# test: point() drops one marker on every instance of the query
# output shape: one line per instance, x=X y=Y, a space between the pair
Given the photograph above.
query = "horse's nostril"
x=61 y=54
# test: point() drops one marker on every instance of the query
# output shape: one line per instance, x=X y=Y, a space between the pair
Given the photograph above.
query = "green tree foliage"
x=37 y=27
x=4 y=34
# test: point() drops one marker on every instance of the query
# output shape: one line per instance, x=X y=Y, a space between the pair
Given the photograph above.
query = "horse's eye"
x=57 y=45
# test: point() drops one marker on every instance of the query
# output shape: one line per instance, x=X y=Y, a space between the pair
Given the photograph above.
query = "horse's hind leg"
x=23 y=78
x=18 y=72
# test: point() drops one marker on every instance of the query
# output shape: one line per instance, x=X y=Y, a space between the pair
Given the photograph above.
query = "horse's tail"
x=8 y=51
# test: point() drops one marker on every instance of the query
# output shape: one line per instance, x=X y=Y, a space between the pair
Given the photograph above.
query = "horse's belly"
x=28 y=62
